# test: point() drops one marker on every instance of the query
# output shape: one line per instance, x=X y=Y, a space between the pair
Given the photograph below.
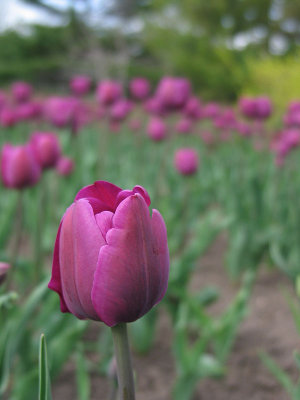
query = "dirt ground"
x=269 y=327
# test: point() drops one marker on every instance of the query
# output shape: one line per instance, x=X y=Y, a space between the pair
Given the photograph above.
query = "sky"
x=14 y=14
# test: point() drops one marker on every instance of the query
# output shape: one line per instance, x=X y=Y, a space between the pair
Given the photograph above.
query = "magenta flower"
x=19 y=168
x=64 y=166
x=111 y=259
x=173 y=92
x=8 y=117
x=193 y=108
x=21 y=92
x=184 y=126
x=156 y=129
x=211 y=110
x=139 y=88
x=4 y=268
x=108 y=92
x=46 y=148
x=120 y=110
x=186 y=161
x=80 y=85
x=3 y=99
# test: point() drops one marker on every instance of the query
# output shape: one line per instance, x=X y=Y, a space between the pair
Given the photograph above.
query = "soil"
x=268 y=327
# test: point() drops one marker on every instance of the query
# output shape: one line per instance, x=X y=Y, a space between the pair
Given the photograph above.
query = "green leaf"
x=44 y=379
x=278 y=373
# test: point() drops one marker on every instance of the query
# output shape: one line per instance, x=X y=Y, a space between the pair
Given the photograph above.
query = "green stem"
x=18 y=238
x=124 y=367
x=41 y=217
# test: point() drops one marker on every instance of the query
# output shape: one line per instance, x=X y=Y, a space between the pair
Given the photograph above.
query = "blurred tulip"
x=156 y=129
x=184 y=126
x=111 y=260
x=139 y=88
x=120 y=110
x=80 y=85
x=255 y=108
x=4 y=268
x=65 y=166
x=173 y=92
x=8 y=117
x=46 y=148
x=19 y=167
x=192 y=108
x=186 y=161
x=21 y=91
x=108 y=92
x=2 y=99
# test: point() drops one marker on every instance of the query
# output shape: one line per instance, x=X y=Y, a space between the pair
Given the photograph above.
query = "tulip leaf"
x=44 y=379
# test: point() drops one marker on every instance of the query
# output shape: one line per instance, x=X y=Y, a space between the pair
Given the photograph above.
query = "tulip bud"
x=108 y=92
x=186 y=161
x=139 y=88
x=111 y=259
x=19 y=167
x=4 y=267
x=21 y=91
x=64 y=166
x=156 y=129
x=80 y=85
x=46 y=148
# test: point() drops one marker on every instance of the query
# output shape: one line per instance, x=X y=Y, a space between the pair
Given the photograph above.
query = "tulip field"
x=144 y=215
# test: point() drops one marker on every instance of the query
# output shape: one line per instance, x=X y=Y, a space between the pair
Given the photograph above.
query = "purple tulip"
x=80 y=85
x=28 y=111
x=139 y=88
x=21 y=92
x=4 y=268
x=211 y=110
x=184 y=126
x=154 y=106
x=108 y=92
x=120 y=110
x=186 y=161
x=173 y=92
x=192 y=108
x=111 y=259
x=46 y=148
x=19 y=167
x=60 y=110
x=255 y=108
x=8 y=117
x=64 y=166
x=156 y=129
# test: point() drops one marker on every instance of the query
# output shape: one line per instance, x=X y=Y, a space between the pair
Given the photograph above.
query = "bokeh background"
x=227 y=48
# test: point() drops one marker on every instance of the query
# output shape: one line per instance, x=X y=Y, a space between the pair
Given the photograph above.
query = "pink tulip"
x=80 y=85
x=186 y=161
x=184 y=126
x=65 y=166
x=192 y=108
x=156 y=129
x=46 y=148
x=8 y=117
x=19 y=167
x=111 y=259
x=120 y=110
x=139 y=88
x=108 y=92
x=173 y=92
x=4 y=268
x=211 y=110
x=21 y=91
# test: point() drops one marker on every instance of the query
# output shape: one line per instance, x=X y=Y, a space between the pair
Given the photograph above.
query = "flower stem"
x=124 y=367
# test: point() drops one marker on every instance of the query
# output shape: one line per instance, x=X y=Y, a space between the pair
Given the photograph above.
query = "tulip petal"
x=101 y=190
x=104 y=221
x=87 y=239
x=67 y=265
x=130 y=278
x=55 y=281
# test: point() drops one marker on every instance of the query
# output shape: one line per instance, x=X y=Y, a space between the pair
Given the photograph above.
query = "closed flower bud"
x=108 y=92
x=21 y=92
x=156 y=129
x=65 y=166
x=186 y=161
x=139 y=88
x=19 y=167
x=46 y=148
x=111 y=259
x=80 y=85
